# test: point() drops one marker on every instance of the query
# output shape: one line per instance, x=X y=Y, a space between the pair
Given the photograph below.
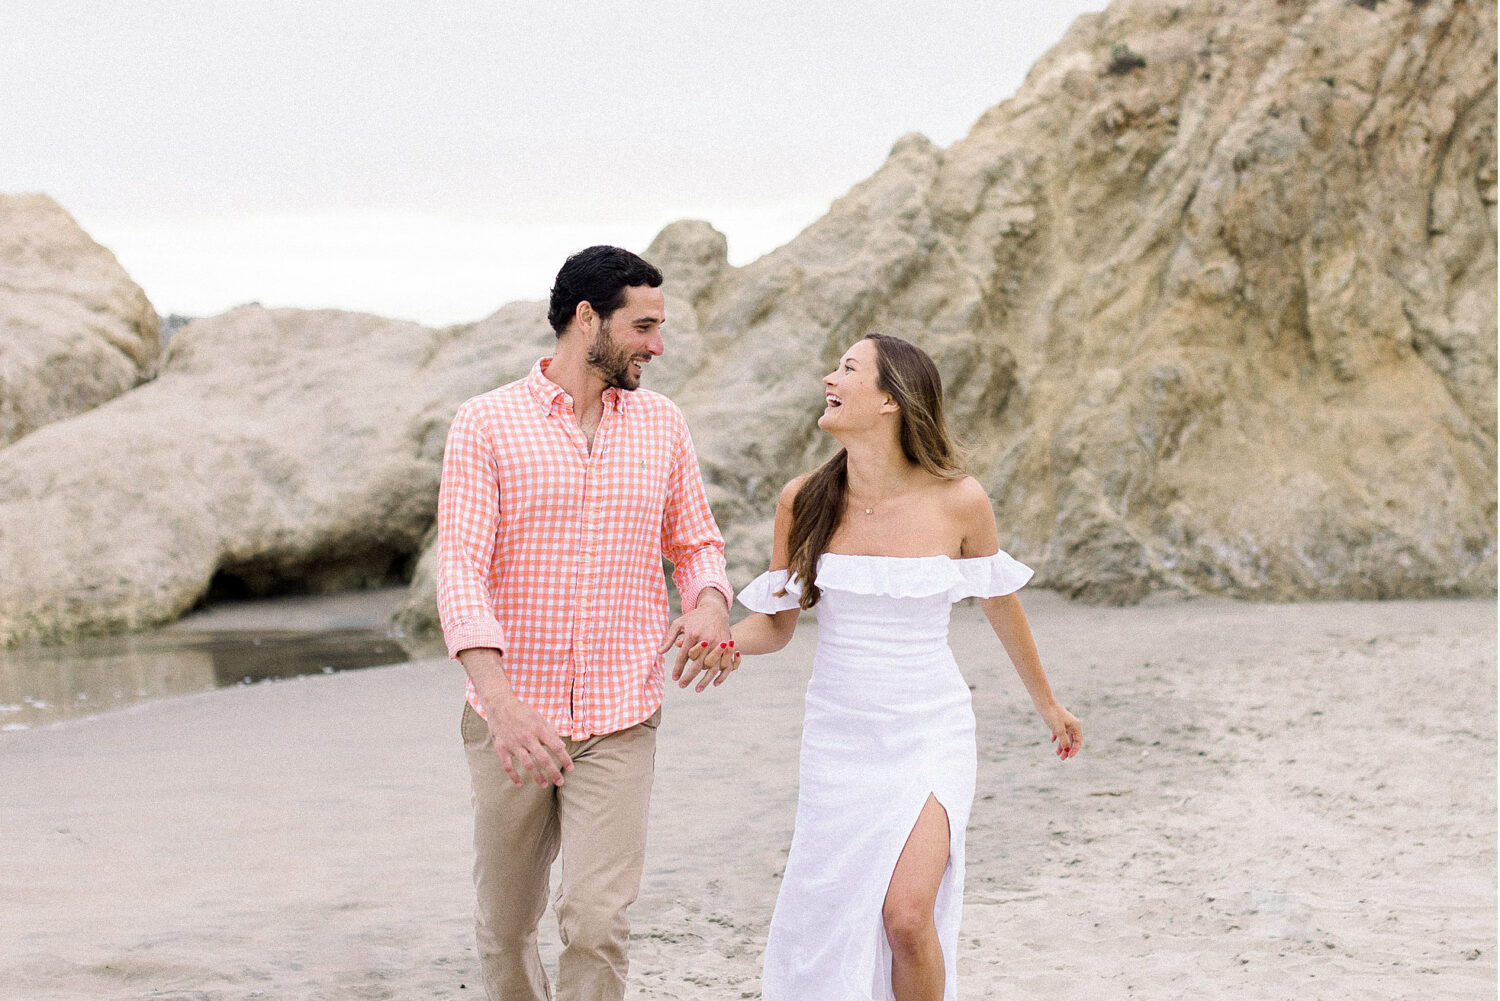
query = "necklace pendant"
x=869 y=510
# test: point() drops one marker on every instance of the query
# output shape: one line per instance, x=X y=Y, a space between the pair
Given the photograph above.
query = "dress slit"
x=882 y=986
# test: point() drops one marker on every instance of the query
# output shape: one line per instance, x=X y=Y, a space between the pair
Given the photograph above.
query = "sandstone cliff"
x=1213 y=295
x=74 y=329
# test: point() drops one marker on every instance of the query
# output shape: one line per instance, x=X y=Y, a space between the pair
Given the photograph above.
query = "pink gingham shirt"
x=551 y=553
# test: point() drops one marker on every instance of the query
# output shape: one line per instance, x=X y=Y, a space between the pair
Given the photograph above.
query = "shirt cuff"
x=696 y=588
x=469 y=635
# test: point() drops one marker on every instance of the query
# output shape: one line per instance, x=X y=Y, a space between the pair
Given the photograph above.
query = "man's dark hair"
x=599 y=276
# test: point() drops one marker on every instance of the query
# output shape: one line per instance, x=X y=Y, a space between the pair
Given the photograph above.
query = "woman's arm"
x=761 y=633
x=758 y=632
x=980 y=538
x=1014 y=632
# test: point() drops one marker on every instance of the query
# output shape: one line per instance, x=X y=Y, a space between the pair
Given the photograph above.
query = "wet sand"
x=1273 y=802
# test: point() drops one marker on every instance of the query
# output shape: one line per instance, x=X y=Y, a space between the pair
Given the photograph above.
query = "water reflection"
x=41 y=684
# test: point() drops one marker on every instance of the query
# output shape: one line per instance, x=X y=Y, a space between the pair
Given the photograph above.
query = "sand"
x=1272 y=802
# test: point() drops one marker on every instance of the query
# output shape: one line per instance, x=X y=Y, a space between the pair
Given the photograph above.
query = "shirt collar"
x=549 y=395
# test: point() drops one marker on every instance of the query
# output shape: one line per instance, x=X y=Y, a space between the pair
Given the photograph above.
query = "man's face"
x=629 y=338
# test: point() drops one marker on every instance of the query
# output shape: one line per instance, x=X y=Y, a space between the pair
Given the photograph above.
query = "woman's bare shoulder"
x=968 y=505
x=965 y=493
x=791 y=490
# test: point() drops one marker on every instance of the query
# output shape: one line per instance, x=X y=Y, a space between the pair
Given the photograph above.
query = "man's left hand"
x=706 y=627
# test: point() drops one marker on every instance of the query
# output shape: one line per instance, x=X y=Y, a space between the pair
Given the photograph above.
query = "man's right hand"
x=526 y=743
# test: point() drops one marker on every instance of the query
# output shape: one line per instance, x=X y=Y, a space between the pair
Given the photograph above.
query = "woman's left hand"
x=1067 y=732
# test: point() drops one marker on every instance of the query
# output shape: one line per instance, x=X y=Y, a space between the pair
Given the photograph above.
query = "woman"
x=883 y=538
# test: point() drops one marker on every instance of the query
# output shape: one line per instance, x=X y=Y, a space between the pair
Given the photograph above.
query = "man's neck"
x=572 y=372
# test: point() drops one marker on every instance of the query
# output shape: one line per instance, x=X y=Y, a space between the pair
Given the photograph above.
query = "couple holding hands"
x=561 y=493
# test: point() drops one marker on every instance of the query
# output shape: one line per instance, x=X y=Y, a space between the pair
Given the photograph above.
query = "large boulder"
x=278 y=450
x=74 y=329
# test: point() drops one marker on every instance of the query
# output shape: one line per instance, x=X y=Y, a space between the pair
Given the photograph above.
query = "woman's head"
x=879 y=379
x=884 y=378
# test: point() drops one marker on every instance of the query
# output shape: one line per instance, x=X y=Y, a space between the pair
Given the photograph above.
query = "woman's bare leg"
x=916 y=954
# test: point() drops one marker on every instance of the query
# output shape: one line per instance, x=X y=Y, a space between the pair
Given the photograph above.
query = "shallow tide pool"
x=42 y=684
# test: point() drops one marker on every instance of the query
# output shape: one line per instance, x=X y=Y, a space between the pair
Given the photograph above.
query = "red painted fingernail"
x=731 y=642
x=705 y=642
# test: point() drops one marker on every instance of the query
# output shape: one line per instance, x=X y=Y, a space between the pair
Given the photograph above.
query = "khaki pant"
x=597 y=818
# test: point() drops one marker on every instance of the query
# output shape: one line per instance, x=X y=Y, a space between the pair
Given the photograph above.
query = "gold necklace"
x=870 y=508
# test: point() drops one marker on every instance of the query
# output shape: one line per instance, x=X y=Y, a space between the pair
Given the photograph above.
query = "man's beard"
x=611 y=361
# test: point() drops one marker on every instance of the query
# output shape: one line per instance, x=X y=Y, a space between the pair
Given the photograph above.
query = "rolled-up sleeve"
x=468 y=518
x=690 y=537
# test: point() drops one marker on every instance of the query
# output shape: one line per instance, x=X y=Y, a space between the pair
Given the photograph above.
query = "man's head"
x=598 y=276
x=609 y=302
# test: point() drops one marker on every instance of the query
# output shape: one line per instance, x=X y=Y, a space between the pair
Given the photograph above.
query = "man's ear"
x=584 y=313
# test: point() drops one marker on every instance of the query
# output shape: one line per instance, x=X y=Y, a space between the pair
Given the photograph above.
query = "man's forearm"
x=486 y=668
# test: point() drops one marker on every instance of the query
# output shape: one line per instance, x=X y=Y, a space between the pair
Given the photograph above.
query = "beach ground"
x=1273 y=801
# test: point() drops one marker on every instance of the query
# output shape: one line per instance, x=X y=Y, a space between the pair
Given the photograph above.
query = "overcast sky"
x=434 y=160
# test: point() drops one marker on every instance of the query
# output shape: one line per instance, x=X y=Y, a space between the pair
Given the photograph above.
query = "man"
x=560 y=495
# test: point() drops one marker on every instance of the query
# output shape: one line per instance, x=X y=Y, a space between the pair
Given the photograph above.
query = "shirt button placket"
x=583 y=658
x=576 y=657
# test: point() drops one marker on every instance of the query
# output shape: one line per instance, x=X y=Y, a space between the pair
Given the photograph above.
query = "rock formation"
x=277 y=450
x=1217 y=318
x=1213 y=296
x=74 y=329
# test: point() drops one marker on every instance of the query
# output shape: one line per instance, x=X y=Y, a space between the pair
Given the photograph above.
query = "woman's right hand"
x=714 y=663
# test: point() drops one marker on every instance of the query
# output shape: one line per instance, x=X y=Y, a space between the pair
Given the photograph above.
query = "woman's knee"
x=909 y=924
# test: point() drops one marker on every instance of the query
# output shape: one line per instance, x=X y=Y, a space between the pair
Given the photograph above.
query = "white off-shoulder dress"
x=888 y=722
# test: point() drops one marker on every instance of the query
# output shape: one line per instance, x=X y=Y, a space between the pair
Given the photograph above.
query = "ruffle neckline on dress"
x=893 y=577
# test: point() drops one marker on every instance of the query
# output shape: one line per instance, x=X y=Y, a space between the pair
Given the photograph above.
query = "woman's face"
x=853 y=399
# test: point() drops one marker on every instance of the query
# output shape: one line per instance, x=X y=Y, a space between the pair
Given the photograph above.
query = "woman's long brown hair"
x=904 y=371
